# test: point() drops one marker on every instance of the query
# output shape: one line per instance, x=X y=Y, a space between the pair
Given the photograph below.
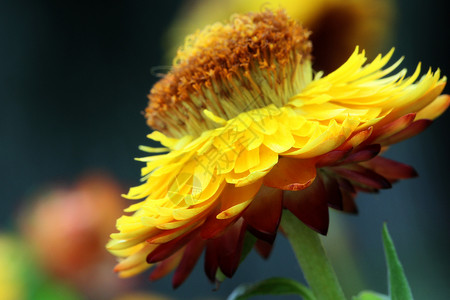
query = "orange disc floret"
x=215 y=64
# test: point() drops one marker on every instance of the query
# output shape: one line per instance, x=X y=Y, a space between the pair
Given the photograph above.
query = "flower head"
x=250 y=129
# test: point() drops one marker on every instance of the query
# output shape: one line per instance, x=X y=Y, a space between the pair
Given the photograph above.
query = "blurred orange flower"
x=67 y=228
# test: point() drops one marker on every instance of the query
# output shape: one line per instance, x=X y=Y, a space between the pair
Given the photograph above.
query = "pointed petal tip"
x=263 y=248
x=322 y=230
x=362 y=153
x=191 y=255
x=264 y=213
x=363 y=177
x=390 y=169
x=413 y=173
x=268 y=237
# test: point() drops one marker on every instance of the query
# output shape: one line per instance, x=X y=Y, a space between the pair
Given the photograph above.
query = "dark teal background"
x=73 y=83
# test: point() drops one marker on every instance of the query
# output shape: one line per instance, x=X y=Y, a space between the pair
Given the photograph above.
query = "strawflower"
x=248 y=130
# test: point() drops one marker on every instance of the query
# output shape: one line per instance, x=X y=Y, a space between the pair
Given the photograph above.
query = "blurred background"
x=73 y=84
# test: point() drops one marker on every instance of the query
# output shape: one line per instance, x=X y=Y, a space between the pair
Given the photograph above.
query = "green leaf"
x=40 y=285
x=220 y=277
x=369 y=295
x=53 y=290
x=271 y=286
x=398 y=285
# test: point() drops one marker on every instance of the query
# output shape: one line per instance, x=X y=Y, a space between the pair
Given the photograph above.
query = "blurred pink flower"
x=67 y=228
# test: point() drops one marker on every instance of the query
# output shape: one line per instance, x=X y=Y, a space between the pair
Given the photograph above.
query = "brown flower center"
x=251 y=62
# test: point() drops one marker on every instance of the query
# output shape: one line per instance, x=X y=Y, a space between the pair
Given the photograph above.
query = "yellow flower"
x=12 y=270
x=249 y=129
x=336 y=24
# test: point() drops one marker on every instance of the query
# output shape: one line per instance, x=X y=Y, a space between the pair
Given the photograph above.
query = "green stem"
x=312 y=259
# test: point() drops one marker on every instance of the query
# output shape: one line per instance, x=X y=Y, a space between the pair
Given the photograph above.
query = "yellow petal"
x=435 y=108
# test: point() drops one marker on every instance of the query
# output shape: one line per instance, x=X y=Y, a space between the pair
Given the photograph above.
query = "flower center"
x=256 y=60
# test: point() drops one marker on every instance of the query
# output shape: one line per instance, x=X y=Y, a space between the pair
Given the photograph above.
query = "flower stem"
x=312 y=259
